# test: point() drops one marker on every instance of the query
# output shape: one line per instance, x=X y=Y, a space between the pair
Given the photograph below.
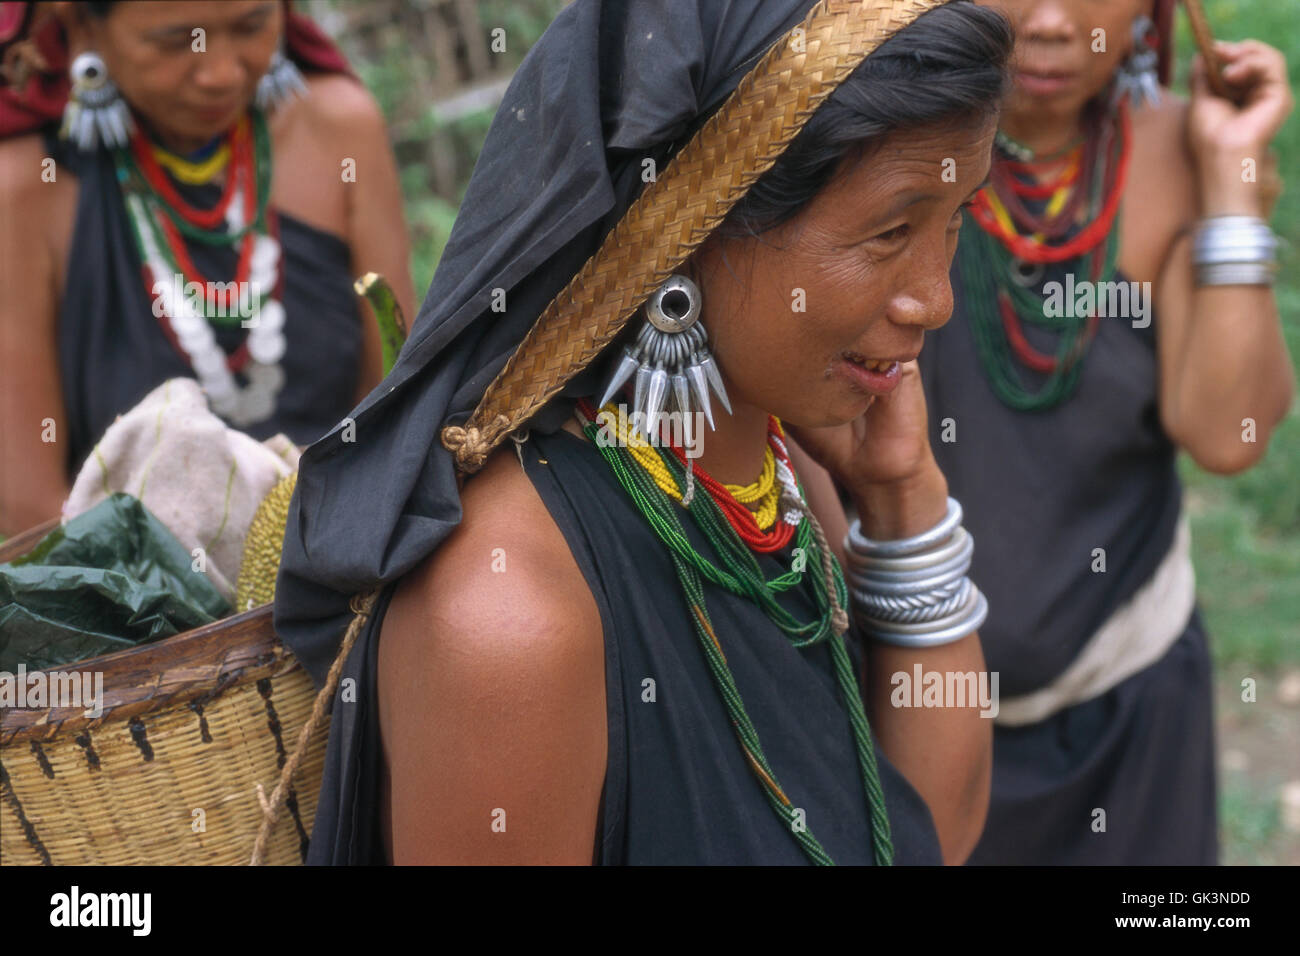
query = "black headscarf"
x=609 y=84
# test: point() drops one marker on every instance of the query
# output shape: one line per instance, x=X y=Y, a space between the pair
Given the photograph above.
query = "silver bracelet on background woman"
x=1234 y=250
x=914 y=592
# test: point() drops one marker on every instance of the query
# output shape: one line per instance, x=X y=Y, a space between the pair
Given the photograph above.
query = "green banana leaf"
x=111 y=578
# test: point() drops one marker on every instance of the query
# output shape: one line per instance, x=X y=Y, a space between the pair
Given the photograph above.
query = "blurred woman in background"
x=1113 y=305
x=203 y=215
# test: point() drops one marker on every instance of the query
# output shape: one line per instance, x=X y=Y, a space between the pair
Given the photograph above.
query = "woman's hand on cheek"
x=883 y=459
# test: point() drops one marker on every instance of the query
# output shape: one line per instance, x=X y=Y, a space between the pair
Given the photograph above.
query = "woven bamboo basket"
x=169 y=773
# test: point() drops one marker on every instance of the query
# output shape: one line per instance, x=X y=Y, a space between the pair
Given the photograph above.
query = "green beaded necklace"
x=1002 y=291
x=985 y=265
x=743 y=576
x=133 y=179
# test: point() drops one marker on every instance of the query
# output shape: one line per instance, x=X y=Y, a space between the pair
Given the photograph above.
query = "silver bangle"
x=911 y=609
x=955 y=563
x=1232 y=237
x=882 y=605
x=914 y=592
x=911 y=562
x=1236 y=273
x=860 y=544
x=1234 y=250
x=935 y=633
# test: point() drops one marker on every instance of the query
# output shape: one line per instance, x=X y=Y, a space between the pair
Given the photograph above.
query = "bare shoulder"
x=1170 y=113
x=20 y=164
x=506 y=571
x=22 y=192
x=28 y=176
x=42 y=197
x=492 y=690
x=337 y=125
x=1160 y=135
x=339 y=103
x=1160 y=195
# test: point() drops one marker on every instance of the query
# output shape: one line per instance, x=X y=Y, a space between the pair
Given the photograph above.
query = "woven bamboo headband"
x=676 y=212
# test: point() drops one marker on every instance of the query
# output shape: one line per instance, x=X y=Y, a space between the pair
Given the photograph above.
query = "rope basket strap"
x=677 y=211
x=361 y=605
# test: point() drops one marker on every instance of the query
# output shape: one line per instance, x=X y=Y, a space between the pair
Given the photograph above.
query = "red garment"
x=42 y=100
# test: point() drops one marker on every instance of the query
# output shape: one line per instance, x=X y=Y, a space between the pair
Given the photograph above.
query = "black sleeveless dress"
x=678 y=789
x=1040 y=491
x=113 y=352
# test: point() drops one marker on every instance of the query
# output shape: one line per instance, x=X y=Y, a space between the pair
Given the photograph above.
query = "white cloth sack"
x=199 y=477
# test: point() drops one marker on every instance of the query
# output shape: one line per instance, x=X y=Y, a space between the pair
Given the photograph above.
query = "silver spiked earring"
x=670 y=359
x=282 y=80
x=1137 y=77
x=96 y=111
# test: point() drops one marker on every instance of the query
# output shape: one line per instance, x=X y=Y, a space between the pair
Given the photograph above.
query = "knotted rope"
x=361 y=605
x=471 y=445
x=839 y=617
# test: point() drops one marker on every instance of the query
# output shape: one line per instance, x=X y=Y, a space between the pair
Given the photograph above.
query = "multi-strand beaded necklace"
x=161 y=220
x=654 y=480
x=1035 y=222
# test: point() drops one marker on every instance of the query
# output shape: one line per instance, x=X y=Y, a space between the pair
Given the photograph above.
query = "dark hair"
x=948 y=65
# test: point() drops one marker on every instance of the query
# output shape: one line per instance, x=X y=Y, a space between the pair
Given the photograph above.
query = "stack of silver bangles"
x=914 y=592
x=1234 y=250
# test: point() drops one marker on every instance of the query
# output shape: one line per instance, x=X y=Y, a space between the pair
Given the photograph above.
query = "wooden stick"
x=1205 y=43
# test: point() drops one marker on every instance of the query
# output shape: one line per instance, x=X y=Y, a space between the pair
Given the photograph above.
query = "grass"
x=1246 y=529
x=1248 y=823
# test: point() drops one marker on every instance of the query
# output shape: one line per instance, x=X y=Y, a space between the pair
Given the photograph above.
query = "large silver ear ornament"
x=670 y=360
x=95 y=111
x=1137 y=77
x=281 y=81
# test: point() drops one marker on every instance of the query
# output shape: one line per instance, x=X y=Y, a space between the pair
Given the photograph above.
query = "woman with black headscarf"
x=569 y=669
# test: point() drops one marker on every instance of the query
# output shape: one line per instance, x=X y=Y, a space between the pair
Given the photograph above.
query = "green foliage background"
x=1246 y=528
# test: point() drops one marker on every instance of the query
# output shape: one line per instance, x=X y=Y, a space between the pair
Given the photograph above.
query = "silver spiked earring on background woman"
x=1137 y=76
x=96 y=111
x=282 y=80
x=670 y=359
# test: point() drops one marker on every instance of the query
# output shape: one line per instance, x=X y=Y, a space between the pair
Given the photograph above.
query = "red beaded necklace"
x=1013 y=237
x=240 y=173
x=1011 y=189
x=241 y=155
x=740 y=518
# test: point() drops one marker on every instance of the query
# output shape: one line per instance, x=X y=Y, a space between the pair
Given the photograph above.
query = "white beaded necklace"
x=241 y=406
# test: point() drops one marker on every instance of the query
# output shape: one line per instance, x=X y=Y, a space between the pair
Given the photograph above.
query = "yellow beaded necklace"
x=765 y=490
x=191 y=173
